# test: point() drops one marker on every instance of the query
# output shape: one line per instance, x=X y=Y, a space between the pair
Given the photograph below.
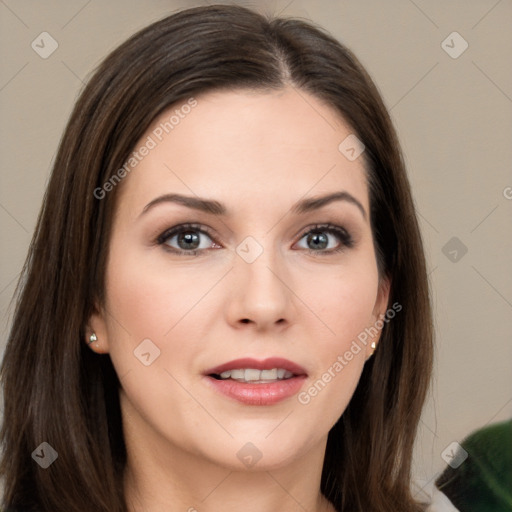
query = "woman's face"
x=264 y=272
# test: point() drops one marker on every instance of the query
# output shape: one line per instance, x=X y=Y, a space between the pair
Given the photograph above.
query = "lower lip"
x=258 y=394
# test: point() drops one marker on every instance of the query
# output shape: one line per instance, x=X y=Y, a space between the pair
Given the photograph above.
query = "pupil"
x=188 y=238
x=319 y=239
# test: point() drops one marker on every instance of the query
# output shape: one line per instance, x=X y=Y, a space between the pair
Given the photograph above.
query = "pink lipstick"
x=254 y=382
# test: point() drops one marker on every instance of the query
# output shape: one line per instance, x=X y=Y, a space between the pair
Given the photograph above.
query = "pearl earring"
x=92 y=338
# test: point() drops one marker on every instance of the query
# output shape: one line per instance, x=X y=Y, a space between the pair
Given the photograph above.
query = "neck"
x=213 y=490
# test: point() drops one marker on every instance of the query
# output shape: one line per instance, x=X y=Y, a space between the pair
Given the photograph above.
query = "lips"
x=256 y=383
x=249 y=363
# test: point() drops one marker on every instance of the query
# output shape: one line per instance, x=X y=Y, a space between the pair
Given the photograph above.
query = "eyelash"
x=343 y=235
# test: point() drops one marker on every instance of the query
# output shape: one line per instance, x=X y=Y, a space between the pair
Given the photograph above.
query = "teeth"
x=237 y=374
x=269 y=374
x=253 y=375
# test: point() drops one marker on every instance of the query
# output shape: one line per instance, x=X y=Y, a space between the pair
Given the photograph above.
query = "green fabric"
x=483 y=482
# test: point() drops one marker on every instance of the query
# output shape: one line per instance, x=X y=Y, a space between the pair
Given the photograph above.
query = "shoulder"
x=440 y=503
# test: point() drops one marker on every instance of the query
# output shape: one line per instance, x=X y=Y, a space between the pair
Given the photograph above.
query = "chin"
x=258 y=453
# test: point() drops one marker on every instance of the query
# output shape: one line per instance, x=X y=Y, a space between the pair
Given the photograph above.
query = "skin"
x=258 y=153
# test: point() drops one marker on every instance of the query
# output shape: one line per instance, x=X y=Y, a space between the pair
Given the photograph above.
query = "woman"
x=227 y=237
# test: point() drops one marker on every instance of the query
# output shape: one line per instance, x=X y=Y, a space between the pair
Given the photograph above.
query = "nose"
x=260 y=293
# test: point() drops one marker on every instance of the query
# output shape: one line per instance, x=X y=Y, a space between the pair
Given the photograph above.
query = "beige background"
x=454 y=121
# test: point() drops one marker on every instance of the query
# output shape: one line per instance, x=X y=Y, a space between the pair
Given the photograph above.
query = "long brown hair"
x=58 y=391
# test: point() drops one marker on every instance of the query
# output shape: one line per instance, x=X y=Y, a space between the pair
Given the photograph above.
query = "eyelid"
x=326 y=226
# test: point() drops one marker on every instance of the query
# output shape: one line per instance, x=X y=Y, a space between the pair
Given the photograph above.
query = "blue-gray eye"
x=186 y=239
x=322 y=238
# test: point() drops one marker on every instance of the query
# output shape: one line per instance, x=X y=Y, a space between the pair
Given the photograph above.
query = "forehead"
x=246 y=146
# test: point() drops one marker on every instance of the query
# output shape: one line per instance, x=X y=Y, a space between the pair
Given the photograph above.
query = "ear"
x=97 y=325
x=379 y=312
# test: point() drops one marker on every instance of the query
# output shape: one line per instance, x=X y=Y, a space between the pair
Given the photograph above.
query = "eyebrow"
x=216 y=208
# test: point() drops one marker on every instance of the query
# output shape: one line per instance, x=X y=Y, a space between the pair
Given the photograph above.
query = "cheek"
x=344 y=303
x=144 y=303
x=152 y=342
x=148 y=295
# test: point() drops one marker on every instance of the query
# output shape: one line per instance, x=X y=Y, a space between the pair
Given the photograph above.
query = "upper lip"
x=265 y=364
